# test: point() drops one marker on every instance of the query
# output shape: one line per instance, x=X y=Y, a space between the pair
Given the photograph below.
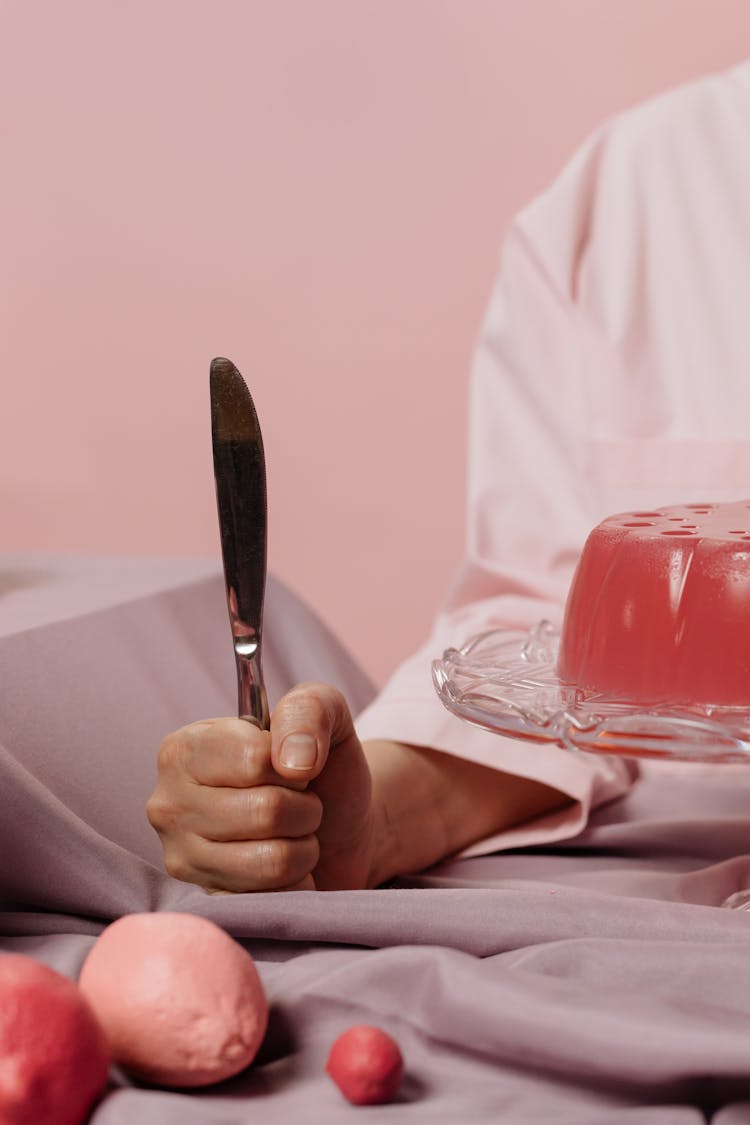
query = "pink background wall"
x=318 y=189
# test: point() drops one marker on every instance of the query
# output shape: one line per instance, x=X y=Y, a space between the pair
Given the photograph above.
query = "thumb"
x=305 y=724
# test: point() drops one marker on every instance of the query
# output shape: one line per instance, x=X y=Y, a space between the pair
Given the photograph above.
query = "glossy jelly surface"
x=659 y=607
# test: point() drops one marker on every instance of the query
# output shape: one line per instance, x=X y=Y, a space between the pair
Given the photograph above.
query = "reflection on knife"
x=240 y=471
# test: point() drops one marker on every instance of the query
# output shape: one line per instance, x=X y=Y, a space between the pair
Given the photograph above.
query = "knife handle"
x=252 y=701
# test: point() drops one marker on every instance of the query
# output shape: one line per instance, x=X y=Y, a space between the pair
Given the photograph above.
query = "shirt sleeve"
x=528 y=512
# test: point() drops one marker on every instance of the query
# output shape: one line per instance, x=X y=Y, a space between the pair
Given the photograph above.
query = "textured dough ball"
x=181 y=1002
x=54 y=1058
x=366 y=1065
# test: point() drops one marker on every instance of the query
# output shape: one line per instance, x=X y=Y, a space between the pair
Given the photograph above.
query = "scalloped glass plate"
x=506 y=682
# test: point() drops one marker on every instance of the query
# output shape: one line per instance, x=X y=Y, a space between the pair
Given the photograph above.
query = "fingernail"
x=298 y=751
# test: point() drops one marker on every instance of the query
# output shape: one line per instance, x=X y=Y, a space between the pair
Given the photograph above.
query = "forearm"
x=430 y=805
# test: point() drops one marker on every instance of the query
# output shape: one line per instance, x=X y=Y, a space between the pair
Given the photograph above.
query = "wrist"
x=427 y=805
x=408 y=831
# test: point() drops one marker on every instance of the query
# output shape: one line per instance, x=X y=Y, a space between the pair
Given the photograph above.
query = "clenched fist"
x=241 y=809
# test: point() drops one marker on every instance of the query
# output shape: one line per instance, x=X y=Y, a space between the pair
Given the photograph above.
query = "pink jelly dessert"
x=659 y=607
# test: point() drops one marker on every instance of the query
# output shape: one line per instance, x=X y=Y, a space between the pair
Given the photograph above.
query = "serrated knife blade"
x=240 y=473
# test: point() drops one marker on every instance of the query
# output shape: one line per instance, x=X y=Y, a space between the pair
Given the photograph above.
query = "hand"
x=240 y=809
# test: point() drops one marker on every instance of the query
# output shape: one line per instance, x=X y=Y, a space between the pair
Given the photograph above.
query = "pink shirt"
x=613 y=373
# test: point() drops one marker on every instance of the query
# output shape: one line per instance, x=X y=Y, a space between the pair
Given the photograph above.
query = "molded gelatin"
x=659 y=607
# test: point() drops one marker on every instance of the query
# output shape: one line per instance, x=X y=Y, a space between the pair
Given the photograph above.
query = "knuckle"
x=315 y=811
x=162 y=812
x=155 y=812
x=254 y=756
x=283 y=862
x=313 y=845
x=177 y=865
x=170 y=752
x=267 y=806
x=308 y=814
x=179 y=747
x=274 y=857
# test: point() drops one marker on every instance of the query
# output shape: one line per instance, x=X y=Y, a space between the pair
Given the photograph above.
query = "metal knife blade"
x=240 y=472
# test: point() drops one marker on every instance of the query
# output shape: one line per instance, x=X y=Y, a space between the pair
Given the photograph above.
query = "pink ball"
x=181 y=1002
x=366 y=1065
x=54 y=1058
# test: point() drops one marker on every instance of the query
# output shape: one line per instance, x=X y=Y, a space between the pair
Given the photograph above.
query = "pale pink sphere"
x=181 y=1002
x=54 y=1058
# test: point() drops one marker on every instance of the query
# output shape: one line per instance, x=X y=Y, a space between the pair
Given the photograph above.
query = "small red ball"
x=366 y=1065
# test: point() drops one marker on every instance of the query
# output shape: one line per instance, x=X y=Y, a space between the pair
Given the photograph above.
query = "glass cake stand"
x=506 y=681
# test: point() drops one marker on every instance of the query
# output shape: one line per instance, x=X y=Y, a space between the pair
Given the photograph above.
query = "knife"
x=240 y=472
